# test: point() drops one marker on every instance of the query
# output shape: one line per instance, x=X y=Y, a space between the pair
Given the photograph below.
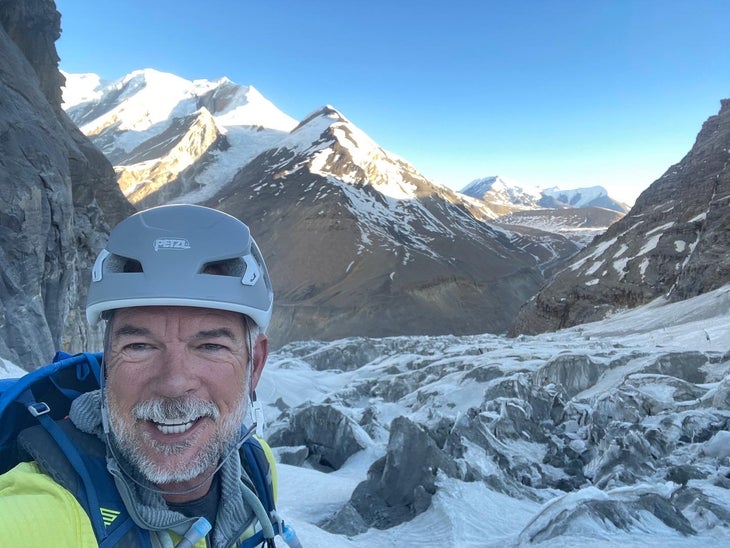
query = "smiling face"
x=177 y=387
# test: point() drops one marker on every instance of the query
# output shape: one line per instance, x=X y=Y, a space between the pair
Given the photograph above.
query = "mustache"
x=184 y=409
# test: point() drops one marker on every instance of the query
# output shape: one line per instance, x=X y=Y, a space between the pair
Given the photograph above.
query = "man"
x=186 y=298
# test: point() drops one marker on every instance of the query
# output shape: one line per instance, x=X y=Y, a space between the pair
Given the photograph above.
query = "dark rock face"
x=51 y=225
x=329 y=436
x=674 y=242
x=399 y=485
x=706 y=170
x=34 y=28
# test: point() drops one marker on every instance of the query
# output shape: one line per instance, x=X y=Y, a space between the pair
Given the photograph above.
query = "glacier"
x=641 y=482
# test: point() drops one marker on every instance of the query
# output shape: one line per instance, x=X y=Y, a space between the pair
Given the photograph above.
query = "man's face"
x=177 y=387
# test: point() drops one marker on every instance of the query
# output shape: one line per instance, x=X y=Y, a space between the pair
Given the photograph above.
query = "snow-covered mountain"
x=365 y=244
x=357 y=240
x=613 y=433
x=503 y=195
x=167 y=136
x=595 y=196
x=508 y=197
x=579 y=214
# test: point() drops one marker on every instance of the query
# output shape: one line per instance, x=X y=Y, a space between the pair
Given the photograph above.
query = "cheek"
x=229 y=391
x=126 y=386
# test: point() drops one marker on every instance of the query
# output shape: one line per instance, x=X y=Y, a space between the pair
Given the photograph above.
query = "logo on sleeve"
x=108 y=515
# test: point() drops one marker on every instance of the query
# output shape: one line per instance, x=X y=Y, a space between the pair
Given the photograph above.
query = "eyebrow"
x=131 y=330
x=216 y=333
x=128 y=329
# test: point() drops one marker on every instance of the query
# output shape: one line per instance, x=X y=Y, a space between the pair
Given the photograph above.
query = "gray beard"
x=129 y=441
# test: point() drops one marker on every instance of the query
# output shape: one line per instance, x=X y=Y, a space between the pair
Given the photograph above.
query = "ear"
x=260 y=354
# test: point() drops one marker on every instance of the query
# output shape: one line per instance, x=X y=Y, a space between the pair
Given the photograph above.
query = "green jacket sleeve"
x=36 y=511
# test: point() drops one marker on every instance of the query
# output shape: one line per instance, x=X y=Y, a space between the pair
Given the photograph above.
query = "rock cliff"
x=57 y=194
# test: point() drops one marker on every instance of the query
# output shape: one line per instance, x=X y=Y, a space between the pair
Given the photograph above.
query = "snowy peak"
x=235 y=105
x=595 y=196
x=500 y=191
x=326 y=115
x=579 y=197
x=338 y=149
x=510 y=196
x=165 y=134
x=144 y=103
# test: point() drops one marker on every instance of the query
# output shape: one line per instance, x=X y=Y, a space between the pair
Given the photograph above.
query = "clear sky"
x=566 y=93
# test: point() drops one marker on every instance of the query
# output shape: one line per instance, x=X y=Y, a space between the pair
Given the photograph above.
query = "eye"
x=212 y=347
x=137 y=346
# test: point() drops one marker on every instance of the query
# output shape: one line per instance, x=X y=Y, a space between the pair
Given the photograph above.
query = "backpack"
x=33 y=413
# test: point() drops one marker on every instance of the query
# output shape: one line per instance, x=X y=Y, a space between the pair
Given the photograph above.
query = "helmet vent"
x=230 y=267
x=117 y=263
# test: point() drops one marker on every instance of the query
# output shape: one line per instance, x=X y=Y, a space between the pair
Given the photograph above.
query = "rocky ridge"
x=360 y=242
x=674 y=242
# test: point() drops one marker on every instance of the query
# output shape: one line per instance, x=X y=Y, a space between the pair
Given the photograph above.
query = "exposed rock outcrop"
x=57 y=193
x=330 y=436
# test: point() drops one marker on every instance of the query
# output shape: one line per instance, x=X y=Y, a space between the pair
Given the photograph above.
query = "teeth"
x=169 y=422
x=170 y=427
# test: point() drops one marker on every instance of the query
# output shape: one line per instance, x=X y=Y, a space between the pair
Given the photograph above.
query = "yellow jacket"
x=35 y=511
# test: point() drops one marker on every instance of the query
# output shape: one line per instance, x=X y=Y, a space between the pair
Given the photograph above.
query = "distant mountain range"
x=513 y=196
x=360 y=242
x=357 y=240
x=579 y=214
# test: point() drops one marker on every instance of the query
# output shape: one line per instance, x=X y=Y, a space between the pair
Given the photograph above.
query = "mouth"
x=174 y=426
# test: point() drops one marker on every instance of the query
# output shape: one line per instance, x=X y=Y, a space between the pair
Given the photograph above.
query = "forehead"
x=162 y=317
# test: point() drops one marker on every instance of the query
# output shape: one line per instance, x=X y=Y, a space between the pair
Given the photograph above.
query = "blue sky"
x=566 y=93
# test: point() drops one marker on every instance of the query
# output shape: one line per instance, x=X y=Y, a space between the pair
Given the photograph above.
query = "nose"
x=175 y=373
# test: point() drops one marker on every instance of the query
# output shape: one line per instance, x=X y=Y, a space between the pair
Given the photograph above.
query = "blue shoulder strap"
x=253 y=458
x=257 y=466
x=93 y=487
